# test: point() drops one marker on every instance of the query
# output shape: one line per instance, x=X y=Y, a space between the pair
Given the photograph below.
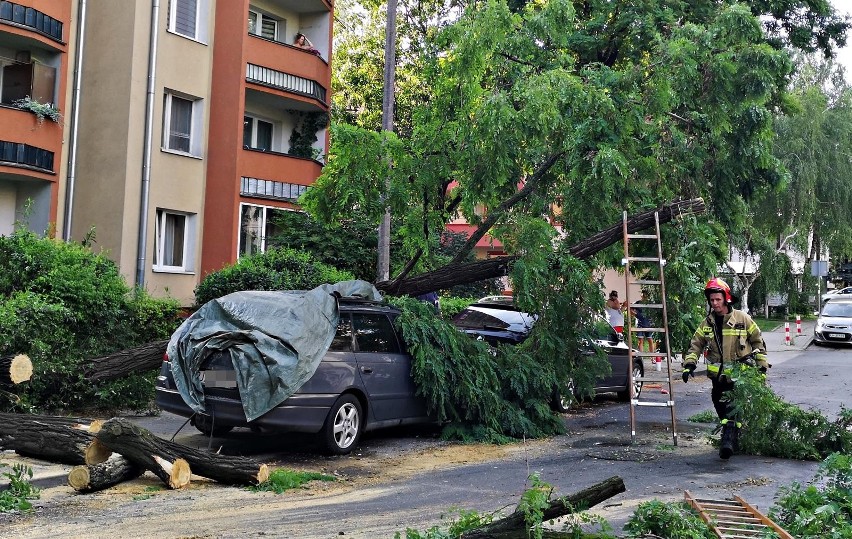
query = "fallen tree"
x=143 y=358
x=91 y=478
x=52 y=438
x=565 y=505
x=457 y=274
x=172 y=462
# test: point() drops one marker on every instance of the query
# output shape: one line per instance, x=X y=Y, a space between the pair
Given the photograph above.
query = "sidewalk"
x=776 y=339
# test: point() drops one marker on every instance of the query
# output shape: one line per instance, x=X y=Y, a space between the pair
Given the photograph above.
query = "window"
x=257 y=227
x=342 y=341
x=173 y=241
x=257 y=133
x=182 y=124
x=374 y=333
x=265 y=26
x=189 y=18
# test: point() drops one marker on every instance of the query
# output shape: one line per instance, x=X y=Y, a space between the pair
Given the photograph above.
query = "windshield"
x=479 y=318
x=842 y=310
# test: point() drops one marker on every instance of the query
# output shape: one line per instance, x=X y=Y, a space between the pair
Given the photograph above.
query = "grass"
x=707 y=416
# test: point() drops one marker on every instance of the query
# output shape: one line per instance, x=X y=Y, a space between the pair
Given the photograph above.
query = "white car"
x=834 y=324
x=845 y=292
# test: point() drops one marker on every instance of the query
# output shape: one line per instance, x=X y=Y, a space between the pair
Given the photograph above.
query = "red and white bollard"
x=787 y=333
x=798 y=325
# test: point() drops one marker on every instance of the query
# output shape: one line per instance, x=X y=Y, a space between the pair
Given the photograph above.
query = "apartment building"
x=197 y=121
x=36 y=50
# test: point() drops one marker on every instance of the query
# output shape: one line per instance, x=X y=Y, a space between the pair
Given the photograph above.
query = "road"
x=400 y=479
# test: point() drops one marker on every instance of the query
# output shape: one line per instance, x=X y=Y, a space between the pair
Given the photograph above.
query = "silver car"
x=834 y=324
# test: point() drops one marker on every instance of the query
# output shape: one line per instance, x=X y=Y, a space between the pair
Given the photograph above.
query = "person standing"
x=643 y=321
x=614 y=311
x=728 y=335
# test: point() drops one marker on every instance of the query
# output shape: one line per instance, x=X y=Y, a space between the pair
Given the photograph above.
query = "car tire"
x=343 y=426
x=207 y=426
x=638 y=373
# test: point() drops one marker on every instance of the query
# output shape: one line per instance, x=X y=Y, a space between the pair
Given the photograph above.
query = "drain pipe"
x=71 y=178
x=146 y=151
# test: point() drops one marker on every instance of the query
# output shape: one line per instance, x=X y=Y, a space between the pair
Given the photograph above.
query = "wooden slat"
x=734 y=519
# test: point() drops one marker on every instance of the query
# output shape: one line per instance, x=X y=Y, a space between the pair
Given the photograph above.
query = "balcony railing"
x=285 y=81
x=24 y=154
x=254 y=187
x=31 y=18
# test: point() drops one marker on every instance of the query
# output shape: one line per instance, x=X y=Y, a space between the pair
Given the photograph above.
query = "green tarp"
x=276 y=341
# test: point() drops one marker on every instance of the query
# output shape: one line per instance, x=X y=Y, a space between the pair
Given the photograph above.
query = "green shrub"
x=276 y=269
x=670 y=520
x=451 y=305
x=16 y=498
x=62 y=304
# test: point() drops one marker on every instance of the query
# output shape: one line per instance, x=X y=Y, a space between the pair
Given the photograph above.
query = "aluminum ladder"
x=639 y=266
x=734 y=518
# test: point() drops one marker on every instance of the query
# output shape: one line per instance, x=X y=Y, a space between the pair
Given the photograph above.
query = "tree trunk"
x=14 y=370
x=96 y=477
x=148 y=451
x=471 y=272
x=140 y=359
x=580 y=501
x=51 y=438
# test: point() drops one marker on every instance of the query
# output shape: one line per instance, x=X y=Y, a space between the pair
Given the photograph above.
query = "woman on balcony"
x=303 y=42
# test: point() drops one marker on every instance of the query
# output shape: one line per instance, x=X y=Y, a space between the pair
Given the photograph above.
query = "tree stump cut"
x=51 y=438
x=96 y=477
x=150 y=452
x=572 y=503
x=15 y=370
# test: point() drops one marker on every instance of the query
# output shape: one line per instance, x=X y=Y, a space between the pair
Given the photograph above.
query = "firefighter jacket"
x=740 y=337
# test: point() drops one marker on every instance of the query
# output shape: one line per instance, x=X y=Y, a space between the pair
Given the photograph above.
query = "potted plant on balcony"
x=41 y=110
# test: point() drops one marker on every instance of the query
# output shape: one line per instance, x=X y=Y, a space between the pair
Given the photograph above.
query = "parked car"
x=845 y=292
x=362 y=383
x=834 y=324
x=501 y=322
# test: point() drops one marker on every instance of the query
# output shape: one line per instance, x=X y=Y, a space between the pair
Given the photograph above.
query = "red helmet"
x=718 y=286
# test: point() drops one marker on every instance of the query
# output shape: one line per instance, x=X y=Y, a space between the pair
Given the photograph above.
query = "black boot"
x=726 y=449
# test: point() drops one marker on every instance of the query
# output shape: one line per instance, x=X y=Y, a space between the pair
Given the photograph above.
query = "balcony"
x=24 y=143
x=278 y=167
x=280 y=57
x=286 y=82
x=22 y=16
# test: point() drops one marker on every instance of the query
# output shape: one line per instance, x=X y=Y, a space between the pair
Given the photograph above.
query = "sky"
x=844 y=55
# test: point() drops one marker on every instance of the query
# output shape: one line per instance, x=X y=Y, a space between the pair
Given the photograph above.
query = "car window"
x=374 y=333
x=603 y=331
x=843 y=310
x=342 y=341
x=471 y=319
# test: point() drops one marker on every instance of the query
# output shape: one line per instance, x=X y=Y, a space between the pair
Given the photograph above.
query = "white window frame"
x=196 y=124
x=274 y=143
x=264 y=215
x=189 y=232
x=202 y=20
x=280 y=24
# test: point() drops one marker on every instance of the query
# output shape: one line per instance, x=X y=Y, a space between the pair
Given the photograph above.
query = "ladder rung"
x=645 y=259
x=646 y=281
x=649 y=354
x=649 y=330
x=667 y=404
x=642 y=236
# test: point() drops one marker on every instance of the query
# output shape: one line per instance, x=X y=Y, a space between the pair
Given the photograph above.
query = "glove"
x=687 y=372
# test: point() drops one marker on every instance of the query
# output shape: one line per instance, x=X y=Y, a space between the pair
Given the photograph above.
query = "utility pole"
x=383 y=263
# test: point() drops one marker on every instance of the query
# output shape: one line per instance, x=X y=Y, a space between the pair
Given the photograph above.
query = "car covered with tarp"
x=326 y=361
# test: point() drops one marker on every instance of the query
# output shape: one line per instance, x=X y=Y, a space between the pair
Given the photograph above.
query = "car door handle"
x=366 y=370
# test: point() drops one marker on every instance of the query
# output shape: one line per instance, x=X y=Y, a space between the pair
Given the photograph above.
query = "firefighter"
x=727 y=335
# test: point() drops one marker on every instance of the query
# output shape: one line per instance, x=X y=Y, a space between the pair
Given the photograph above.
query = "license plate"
x=836 y=335
x=213 y=378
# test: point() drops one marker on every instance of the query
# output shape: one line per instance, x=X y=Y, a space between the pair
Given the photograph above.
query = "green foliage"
x=707 y=416
x=41 y=110
x=349 y=245
x=822 y=510
x=282 y=479
x=466 y=521
x=275 y=269
x=62 y=304
x=775 y=428
x=669 y=520
x=533 y=502
x=16 y=497
x=304 y=134
x=451 y=243
x=451 y=306
x=487 y=394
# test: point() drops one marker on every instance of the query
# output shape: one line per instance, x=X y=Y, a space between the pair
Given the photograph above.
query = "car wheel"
x=560 y=403
x=206 y=425
x=638 y=373
x=344 y=425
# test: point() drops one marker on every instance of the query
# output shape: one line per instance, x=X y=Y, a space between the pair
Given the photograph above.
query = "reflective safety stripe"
x=734 y=332
x=714 y=369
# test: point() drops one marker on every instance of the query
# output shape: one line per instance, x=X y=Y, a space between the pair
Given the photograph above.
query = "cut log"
x=113 y=471
x=120 y=364
x=490 y=268
x=15 y=369
x=51 y=438
x=573 y=503
x=144 y=449
x=96 y=452
x=178 y=472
